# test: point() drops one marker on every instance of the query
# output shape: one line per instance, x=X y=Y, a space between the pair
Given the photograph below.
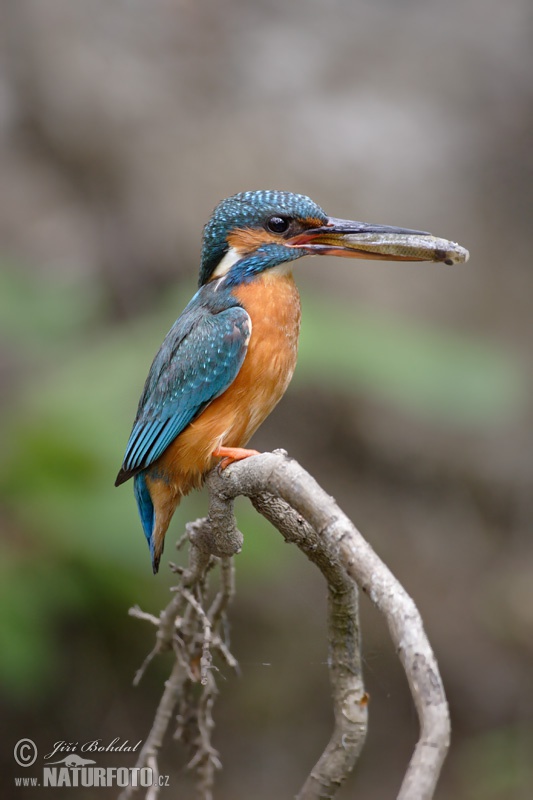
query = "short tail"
x=147 y=515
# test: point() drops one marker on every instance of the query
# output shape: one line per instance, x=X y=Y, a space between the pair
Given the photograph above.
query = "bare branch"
x=150 y=749
x=205 y=661
x=277 y=476
x=193 y=634
x=297 y=506
x=344 y=661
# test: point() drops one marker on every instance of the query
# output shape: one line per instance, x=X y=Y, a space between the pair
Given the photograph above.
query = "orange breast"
x=273 y=303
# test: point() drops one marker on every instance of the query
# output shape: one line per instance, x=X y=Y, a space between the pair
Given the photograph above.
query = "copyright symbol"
x=25 y=752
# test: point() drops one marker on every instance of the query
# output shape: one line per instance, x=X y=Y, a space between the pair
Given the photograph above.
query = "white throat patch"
x=226 y=262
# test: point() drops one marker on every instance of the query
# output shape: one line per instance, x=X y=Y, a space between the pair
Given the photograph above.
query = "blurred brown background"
x=121 y=126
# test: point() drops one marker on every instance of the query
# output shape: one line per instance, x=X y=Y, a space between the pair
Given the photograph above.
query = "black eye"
x=277 y=224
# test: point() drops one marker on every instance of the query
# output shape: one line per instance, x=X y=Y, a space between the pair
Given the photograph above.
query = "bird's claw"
x=231 y=454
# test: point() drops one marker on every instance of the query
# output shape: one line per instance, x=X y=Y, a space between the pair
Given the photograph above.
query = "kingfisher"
x=229 y=358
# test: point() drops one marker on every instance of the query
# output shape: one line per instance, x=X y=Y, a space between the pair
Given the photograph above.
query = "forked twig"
x=298 y=507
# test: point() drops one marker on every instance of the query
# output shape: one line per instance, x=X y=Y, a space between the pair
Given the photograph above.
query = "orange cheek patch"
x=247 y=240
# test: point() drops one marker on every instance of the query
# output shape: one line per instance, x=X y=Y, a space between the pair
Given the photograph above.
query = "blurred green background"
x=121 y=126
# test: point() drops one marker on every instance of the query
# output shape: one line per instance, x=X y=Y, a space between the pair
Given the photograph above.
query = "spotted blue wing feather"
x=199 y=359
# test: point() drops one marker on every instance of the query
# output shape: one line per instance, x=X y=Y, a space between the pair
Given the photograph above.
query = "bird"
x=230 y=356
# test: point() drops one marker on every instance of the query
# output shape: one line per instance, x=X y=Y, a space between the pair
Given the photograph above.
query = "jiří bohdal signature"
x=70 y=749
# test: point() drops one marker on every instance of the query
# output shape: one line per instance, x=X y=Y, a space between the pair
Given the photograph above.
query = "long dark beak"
x=342 y=237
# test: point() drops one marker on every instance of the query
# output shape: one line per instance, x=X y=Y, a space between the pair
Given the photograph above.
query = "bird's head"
x=251 y=232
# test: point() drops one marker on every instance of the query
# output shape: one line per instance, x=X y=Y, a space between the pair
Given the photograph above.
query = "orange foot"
x=231 y=454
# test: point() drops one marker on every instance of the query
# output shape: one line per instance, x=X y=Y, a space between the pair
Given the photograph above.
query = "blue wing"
x=199 y=359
